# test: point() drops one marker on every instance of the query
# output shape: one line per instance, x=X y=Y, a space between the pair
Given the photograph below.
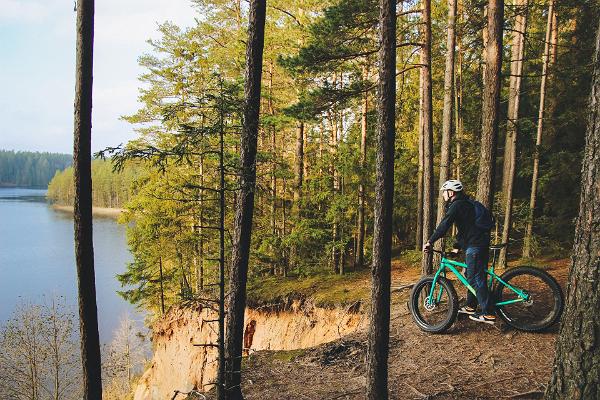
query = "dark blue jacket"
x=462 y=213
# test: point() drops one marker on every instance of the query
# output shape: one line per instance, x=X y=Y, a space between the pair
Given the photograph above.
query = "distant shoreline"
x=96 y=211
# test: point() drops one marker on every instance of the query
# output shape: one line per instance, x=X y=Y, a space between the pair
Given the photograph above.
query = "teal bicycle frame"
x=447 y=264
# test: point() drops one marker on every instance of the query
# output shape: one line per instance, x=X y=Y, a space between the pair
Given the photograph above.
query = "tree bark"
x=379 y=324
x=360 y=239
x=299 y=179
x=299 y=164
x=538 y=141
x=335 y=231
x=512 y=127
x=576 y=370
x=491 y=103
x=428 y=190
x=458 y=101
x=447 y=112
x=419 y=226
x=200 y=246
x=84 y=248
x=245 y=204
x=273 y=196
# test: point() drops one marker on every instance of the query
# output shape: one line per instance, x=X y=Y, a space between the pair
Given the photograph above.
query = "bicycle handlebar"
x=442 y=253
x=494 y=247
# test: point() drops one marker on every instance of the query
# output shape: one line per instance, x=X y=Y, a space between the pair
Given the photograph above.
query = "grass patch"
x=325 y=289
x=287 y=355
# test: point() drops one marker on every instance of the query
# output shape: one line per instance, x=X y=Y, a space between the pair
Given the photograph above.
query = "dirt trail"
x=470 y=361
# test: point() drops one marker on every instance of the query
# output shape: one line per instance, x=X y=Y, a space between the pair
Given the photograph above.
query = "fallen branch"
x=515 y=396
x=424 y=396
x=346 y=394
x=399 y=288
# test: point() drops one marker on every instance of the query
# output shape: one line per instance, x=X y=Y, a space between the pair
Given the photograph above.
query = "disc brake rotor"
x=428 y=304
x=529 y=300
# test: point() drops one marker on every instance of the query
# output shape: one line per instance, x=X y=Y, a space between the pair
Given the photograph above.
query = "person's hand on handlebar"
x=454 y=251
x=427 y=247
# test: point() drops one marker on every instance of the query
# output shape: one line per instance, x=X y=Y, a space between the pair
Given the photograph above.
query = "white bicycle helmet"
x=452 y=184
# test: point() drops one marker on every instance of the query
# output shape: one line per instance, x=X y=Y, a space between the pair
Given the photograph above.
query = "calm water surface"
x=37 y=257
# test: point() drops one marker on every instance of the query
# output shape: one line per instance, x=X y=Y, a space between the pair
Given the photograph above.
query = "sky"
x=37 y=68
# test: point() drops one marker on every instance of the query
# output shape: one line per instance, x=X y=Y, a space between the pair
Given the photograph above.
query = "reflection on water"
x=37 y=257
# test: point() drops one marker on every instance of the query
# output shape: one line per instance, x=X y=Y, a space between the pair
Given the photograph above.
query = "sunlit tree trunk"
x=299 y=179
x=448 y=104
x=299 y=163
x=428 y=190
x=200 y=250
x=245 y=205
x=273 y=196
x=491 y=103
x=538 y=141
x=84 y=247
x=576 y=370
x=360 y=239
x=458 y=117
x=379 y=324
x=419 y=225
x=512 y=127
x=335 y=231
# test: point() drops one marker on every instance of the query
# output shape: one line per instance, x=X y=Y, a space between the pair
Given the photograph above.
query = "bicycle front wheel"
x=543 y=306
x=437 y=313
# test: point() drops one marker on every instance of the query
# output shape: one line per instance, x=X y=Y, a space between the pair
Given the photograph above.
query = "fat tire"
x=557 y=295
x=452 y=304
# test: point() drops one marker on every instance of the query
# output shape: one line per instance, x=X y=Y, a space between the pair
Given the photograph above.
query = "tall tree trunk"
x=379 y=324
x=447 y=112
x=162 y=289
x=200 y=249
x=458 y=102
x=360 y=239
x=491 y=103
x=552 y=101
x=299 y=164
x=299 y=179
x=273 y=197
x=419 y=225
x=576 y=371
x=538 y=141
x=512 y=127
x=84 y=247
x=274 y=165
x=245 y=204
x=335 y=234
x=428 y=190
x=284 y=255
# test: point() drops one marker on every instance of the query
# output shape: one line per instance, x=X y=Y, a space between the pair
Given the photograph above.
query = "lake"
x=37 y=258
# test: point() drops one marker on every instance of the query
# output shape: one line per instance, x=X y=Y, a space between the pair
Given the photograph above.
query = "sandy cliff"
x=179 y=365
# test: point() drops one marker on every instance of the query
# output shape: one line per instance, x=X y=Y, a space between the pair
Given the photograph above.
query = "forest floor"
x=470 y=361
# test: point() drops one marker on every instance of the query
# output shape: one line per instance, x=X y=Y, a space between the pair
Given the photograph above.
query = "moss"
x=287 y=356
x=324 y=289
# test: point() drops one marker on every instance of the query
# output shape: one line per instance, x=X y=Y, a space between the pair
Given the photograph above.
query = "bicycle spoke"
x=541 y=307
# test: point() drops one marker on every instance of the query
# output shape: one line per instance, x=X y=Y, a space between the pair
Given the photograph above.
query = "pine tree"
x=576 y=370
x=245 y=203
x=84 y=251
x=379 y=325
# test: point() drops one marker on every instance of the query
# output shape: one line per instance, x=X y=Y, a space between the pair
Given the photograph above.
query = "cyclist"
x=475 y=241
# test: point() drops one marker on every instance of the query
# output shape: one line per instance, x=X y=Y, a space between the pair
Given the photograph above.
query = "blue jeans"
x=476 y=260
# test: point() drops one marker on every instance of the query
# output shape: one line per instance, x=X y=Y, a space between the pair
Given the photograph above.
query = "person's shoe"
x=466 y=310
x=485 y=318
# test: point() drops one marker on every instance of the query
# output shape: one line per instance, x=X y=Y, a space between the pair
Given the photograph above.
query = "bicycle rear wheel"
x=541 y=310
x=438 y=315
